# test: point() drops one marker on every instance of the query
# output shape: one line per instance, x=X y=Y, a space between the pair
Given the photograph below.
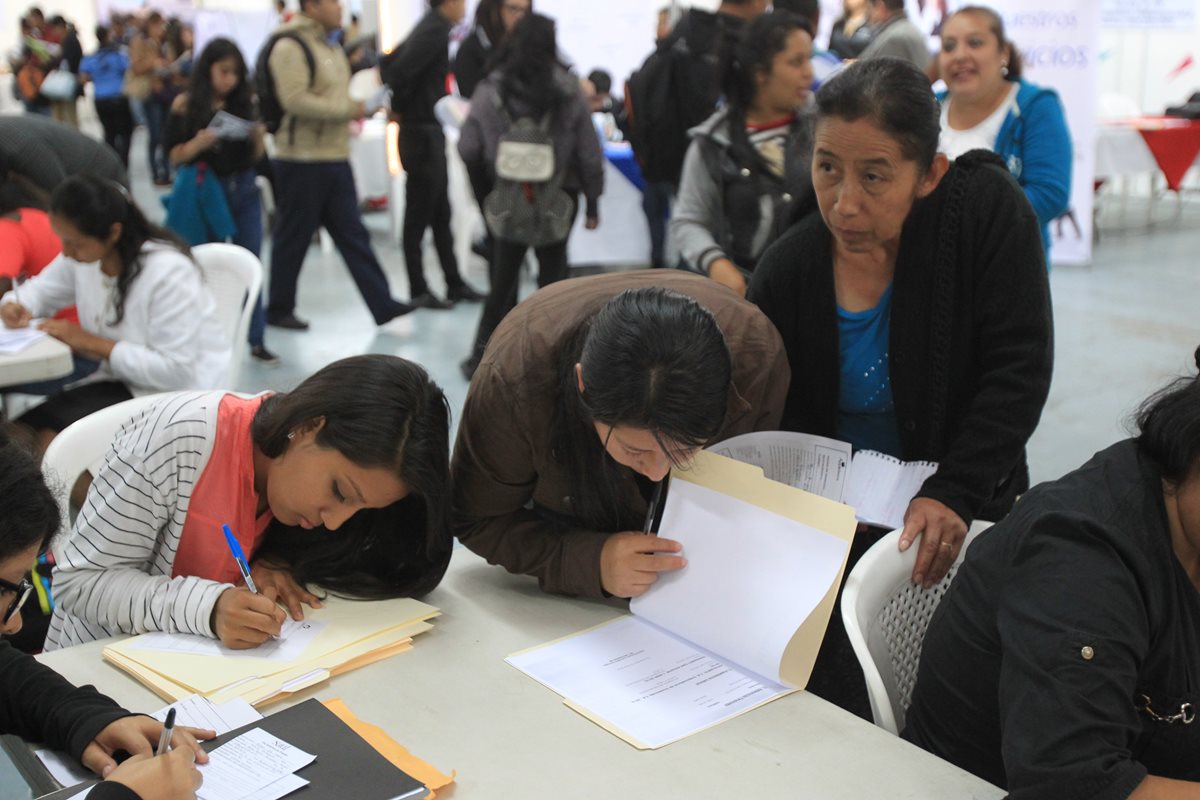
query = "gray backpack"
x=528 y=205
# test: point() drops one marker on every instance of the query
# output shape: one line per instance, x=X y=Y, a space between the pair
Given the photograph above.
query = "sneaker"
x=264 y=356
x=287 y=321
x=464 y=292
x=431 y=301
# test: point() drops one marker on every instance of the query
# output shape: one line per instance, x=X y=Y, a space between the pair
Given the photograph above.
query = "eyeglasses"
x=21 y=592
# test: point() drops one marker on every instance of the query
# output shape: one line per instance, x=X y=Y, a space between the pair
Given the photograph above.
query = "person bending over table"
x=1064 y=661
x=916 y=305
x=747 y=166
x=147 y=322
x=38 y=704
x=587 y=394
x=987 y=104
x=342 y=482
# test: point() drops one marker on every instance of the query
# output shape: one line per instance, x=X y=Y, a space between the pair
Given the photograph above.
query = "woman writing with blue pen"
x=38 y=704
x=342 y=482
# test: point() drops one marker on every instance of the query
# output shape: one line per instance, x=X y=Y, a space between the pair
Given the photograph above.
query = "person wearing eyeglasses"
x=38 y=704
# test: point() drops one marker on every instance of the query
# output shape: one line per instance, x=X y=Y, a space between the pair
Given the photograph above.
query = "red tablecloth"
x=1173 y=142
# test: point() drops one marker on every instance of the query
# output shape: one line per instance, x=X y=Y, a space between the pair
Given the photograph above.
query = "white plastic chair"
x=82 y=445
x=234 y=276
x=886 y=615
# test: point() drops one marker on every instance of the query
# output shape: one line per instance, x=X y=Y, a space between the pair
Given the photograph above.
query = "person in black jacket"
x=1064 y=660
x=38 y=704
x=915 y=309
x=417 y=74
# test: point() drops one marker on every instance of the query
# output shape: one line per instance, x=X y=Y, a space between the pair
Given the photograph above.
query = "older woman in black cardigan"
x=915 y=310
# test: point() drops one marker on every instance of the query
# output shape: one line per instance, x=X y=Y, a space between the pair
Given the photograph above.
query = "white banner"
x=1060 y=48
x=1178 y=15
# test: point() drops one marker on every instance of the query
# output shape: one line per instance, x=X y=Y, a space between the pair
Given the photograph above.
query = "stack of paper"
x=341 y=636
x=14 y=340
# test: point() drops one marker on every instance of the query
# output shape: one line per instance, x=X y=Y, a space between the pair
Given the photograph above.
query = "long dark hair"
x=754 y=52
x=651 y=359
x=893 y=95
x=995 y=24
x=529 y=62
x=93 y=205
x=1168 y=425
x=380 y=412
x=29 y=514
x=239 y=102
x=487 y=19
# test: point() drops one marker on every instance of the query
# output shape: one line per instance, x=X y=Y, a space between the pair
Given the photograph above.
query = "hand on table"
x=243 y=619
x=15 y=315
x=278 y=584
x=942 y=533
x=138 y=735
x=172 y=776
x=628 y=564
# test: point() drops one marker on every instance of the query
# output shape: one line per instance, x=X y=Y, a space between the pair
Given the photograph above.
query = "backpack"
x=269 y=109
x=528 y=204
x=673 y=91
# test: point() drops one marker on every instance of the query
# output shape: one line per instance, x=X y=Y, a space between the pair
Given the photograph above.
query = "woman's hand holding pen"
x=138 y=735
x=168 y=777
x=15 y=315
x=243 y=619
x=278 y=584
x=629 y=563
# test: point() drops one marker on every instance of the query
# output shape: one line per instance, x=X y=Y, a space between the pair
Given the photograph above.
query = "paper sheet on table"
x=280 y=788
x=881 y=486
x=247 y=764
x=752 y=578
x=198 y=711
x=64 y=769
x=14 y=340
x=643 y=684
x=345 y=624
x=228 y=126
x=392 y=750
x=813 y=463
x=294 y=638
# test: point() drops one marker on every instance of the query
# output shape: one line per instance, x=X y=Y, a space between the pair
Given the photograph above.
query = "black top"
x=851 y=46
x=470 y=63
x=417 y=74
x=226 y=157
x=970 y=344
x=38 y=704
x=1060 y=619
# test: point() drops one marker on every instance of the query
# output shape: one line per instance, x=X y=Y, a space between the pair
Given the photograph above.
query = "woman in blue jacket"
x=988 y=105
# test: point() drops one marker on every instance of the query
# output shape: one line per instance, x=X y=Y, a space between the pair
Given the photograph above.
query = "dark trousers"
x=656 y=203
x=426 y=204
x=310 y=195
x=117 y=120
x=156 y=120
x=505 y=274
x=245 y=205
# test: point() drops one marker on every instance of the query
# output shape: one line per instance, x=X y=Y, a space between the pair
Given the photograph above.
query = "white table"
x=454 y=702
x=43 y=360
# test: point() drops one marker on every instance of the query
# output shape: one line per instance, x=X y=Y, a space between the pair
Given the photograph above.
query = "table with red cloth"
x=1174 y=143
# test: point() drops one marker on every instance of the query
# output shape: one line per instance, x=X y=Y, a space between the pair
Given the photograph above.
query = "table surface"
x=453 y=701
x=44 y=359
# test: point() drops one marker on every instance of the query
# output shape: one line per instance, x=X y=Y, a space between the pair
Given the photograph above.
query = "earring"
x=1004 y=69
x=292 y=435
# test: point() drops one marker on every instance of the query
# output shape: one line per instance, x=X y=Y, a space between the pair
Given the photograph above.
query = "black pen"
x=164 y=741
x=650 y=511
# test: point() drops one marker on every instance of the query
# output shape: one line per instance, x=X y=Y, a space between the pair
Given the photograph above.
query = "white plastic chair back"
x=886 y=615
x=234 y=276
x=83 y=444
x=1116 y=106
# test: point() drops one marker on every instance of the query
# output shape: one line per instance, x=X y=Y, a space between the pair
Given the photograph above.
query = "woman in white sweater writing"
x=147 y=323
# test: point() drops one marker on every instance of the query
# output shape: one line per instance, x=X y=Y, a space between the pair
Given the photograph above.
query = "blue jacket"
x=197 y=208
x=1036 y=145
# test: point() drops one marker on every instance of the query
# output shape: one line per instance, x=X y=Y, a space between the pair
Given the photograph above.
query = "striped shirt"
x=114 y=570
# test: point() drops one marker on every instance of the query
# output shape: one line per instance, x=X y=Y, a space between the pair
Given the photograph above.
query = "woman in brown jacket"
x=587 y=394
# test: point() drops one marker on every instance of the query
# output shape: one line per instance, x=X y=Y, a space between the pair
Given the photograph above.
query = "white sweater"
x=170 y=337
x=114 y=569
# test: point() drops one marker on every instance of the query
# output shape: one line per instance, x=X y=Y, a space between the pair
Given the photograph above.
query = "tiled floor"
x=1123 y=326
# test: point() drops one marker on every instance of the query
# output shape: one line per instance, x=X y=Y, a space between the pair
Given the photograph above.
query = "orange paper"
x=392 y=750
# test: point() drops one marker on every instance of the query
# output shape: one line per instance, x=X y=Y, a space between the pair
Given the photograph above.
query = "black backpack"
x=673 y=91
x=269 y=109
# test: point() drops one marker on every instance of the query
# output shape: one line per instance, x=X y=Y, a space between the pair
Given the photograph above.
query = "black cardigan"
x=971 y=346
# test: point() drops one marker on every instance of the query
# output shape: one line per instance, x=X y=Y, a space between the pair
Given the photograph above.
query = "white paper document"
x=14 y=340
x=64 y=769
x=294 y=637
x=881 y=487
x=198 y=711
x=228 y=126
x=248 y=764
x=654 y=686
x=812 y=463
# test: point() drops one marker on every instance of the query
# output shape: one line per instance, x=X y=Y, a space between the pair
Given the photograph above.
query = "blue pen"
x=240 y=558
